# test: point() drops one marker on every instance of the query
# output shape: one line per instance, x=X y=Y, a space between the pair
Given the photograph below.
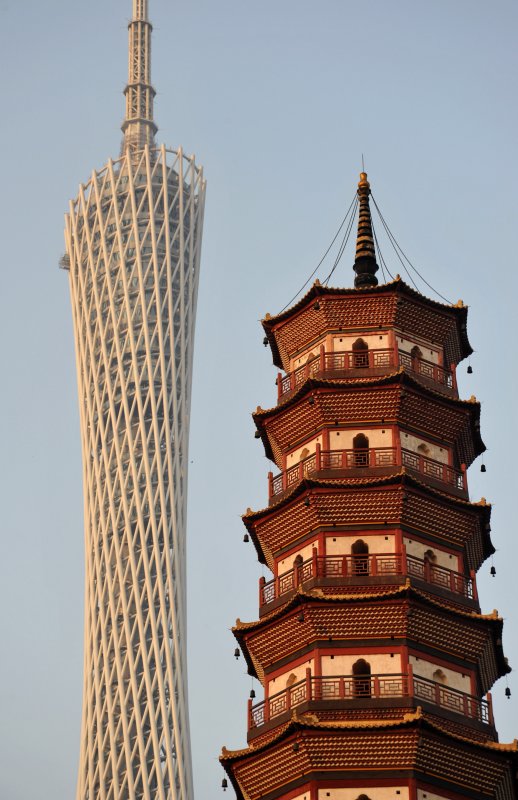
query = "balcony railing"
x=357 y=460
x=371 y=362
x=350 y=568
x=428 y=370
x=340 y=689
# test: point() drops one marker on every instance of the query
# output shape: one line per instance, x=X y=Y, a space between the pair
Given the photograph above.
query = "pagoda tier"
x=313 y=626
x=414 y=758
x=325 y=312
x=374 y=657
x=321 y=510
x=325 y=410
x=400 y=425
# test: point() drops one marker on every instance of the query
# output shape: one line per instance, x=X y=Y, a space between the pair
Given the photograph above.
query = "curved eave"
x=389 y=593
x=399 y=376
x=310 y=722
x=403 y=478
x=269 y=323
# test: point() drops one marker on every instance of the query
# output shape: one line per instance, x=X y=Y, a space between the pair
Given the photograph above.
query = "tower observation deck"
x=133 y=241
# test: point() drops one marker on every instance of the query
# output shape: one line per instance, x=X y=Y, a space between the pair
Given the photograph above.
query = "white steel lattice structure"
x=133 y=240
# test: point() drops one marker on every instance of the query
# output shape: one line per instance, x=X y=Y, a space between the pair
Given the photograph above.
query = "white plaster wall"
x=443 y=559
x=410 y=442
x=344 y=342
x=455 y=680
x=381 y=663
x=343 y=439
x=279 y=683
x=430 y=352
x=341 y=545
x=426 y=795
x=286 y=563
x=301 y=359
x=310 y=445
x=373 y=792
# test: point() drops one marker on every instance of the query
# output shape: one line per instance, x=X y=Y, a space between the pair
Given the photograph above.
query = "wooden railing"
x=433 y=469
x=350 y=567
x=359 y=459
x=376 y=362
x=429 y=370
x=343 y=688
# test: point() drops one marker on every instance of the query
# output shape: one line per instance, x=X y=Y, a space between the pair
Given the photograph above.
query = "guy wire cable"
x=344 y=241
x=395 y=245
x=323 y=257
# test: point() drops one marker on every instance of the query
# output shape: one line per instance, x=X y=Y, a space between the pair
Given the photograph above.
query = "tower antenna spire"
x=139 y=127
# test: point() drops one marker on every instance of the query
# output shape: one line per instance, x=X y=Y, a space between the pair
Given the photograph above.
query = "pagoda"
x=374 y=656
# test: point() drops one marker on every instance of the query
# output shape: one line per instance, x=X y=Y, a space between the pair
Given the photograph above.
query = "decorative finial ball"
x=363 y=180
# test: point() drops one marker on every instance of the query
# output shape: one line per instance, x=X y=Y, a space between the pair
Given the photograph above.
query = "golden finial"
x=363 y=183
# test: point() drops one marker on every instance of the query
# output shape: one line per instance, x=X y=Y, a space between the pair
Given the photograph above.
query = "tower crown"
x=139 y=127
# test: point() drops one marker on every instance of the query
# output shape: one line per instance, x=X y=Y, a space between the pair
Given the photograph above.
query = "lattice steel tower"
x=133 y=240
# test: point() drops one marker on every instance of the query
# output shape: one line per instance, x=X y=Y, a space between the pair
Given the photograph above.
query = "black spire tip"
x=365 y=263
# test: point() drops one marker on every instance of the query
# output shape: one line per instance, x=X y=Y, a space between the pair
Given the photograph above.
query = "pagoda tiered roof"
x=398 y=499
x=391 y=304
x=360 y=749
x=396 y=398
x=390 y=613
x=370 y=645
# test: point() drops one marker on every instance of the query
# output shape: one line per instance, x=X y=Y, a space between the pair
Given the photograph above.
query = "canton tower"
x=133 y=242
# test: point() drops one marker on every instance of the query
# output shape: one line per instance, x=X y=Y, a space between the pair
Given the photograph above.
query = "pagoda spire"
x=139 y=128
x=365 y=264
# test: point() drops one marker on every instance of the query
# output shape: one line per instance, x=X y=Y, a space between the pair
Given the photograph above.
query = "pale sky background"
x=278 y=99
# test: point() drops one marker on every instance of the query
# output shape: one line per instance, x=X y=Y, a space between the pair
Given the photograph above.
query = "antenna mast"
x=139 y=128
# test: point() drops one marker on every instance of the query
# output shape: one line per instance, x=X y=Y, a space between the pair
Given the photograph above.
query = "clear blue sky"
x=278 y=100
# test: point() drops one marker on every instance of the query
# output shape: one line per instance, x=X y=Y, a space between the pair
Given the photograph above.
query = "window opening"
x=360 y=358
x=361 y=450
x=360 y=557
x=361 y=678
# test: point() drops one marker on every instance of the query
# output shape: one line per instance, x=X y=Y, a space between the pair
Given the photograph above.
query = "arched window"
x=416 y=356
x=439 y=676
x=360 y=354
x=361 y=450
x=361 y=678
x=360 y=557
x=312 y=363
x=430 y=560
x=297 y=570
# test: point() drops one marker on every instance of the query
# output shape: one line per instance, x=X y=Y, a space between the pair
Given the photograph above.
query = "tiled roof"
x=395 y=304
x=394 y=500
x=394 y=400
x=414 y=742
x=395 y=613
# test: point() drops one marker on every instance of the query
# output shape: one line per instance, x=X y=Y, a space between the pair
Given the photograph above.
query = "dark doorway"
x=360 y=354
x=360 y=558
x=362 y=678
x=361 y=450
